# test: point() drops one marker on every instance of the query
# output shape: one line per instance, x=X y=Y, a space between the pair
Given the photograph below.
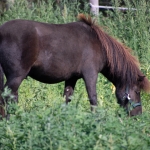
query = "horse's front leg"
x=90 y=79
x=69 y=88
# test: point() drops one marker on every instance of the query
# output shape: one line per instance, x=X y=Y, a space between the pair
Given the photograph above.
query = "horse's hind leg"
x=13 y=83
x=69 y=88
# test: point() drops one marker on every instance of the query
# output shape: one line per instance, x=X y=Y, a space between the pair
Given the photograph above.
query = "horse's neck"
x=112 y=78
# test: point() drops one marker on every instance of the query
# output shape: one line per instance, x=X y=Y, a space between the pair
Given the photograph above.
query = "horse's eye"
x=137 y=92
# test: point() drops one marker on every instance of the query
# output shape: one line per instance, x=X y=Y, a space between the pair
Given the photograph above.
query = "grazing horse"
x=52 y=53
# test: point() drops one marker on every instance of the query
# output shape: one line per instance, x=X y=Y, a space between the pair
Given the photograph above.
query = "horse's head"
x=129 y=98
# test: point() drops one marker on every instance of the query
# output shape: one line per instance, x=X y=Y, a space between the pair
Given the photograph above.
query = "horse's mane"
x=120 y=61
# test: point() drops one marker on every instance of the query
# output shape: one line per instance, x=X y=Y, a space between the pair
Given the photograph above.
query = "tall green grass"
x=132 y=28
x=41 y=120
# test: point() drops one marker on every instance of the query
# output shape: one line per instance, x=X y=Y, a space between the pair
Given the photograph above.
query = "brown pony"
x=52 y=53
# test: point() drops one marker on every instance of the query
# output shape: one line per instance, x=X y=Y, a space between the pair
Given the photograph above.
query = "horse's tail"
x=1 y=69
x=1 y=78
x=2 y=112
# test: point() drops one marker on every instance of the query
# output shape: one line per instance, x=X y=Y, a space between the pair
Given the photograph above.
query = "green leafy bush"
x=71 y=127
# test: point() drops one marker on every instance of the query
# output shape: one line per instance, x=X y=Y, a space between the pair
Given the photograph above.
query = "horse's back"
x=51 y=52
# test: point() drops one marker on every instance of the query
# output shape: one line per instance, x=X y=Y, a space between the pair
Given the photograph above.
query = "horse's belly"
x=52 y=76
x=47 y=79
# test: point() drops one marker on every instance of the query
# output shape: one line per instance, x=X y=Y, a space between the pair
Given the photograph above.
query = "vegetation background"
x=41 y=120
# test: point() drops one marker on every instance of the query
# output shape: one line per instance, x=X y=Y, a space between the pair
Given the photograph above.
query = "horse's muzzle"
x=136 y=111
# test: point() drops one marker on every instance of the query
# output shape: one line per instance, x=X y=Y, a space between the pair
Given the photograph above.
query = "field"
x=41 y=120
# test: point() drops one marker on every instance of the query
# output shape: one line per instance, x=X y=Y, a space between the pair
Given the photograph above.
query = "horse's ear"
x=141 y=78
